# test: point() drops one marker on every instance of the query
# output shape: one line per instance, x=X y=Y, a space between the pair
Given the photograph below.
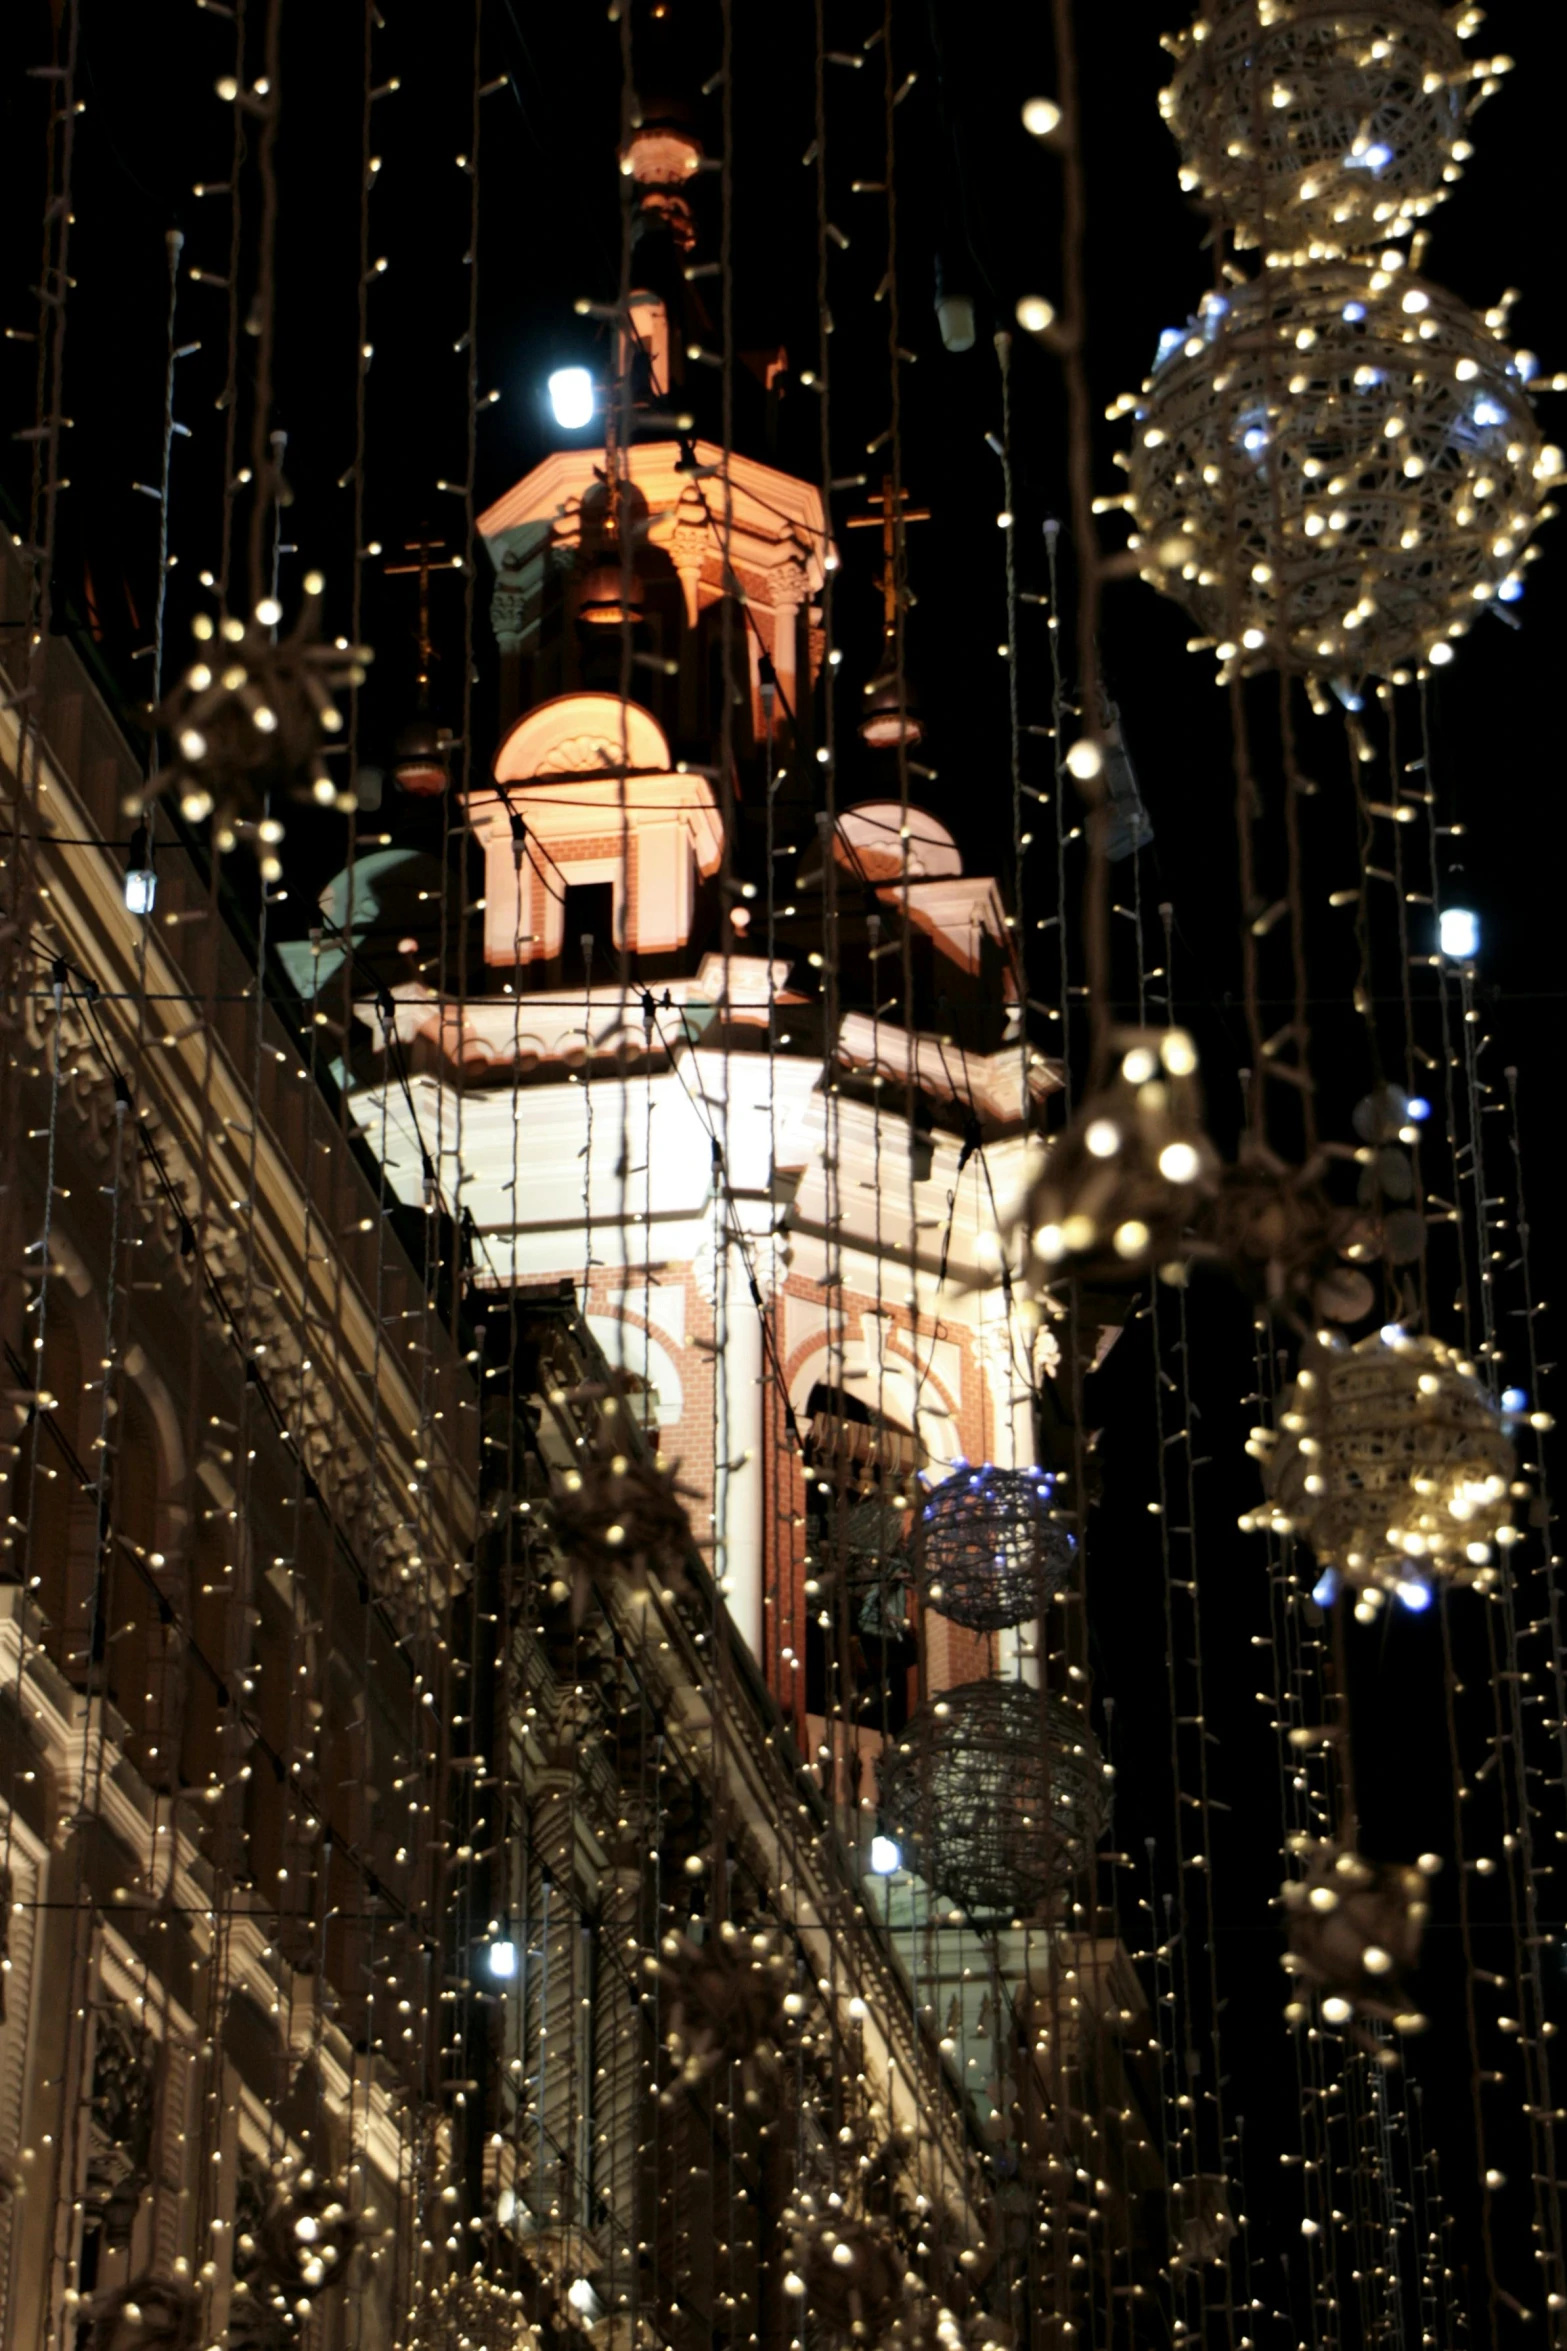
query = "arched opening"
x=860 y=1466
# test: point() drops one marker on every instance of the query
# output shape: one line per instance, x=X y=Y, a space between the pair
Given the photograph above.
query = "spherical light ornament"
x=852 y=2272
x=148 y=2314
x=1392 y=1463
x=996 y=1795
x=1329 y=482
x=1124 y=1178
x=990 y=1552
x=472 y=2313
x=1325 y=125
x=1354 y=1929
x=254 y=732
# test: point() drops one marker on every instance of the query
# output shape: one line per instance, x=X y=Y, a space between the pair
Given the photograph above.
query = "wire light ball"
x=1315 y=126
x=248 y=723
x=1335 y=470
x=1394 y=1464
x=997 y=1796
x=1121 y=1182
x=1355 y=1928
x=148 y=2314
x=850 y=2273
x=471 y=2313
x=992 y=1554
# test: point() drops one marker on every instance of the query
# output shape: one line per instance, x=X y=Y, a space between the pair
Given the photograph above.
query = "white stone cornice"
x=262 y=1225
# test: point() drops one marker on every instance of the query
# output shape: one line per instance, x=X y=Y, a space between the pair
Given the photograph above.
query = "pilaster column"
x=724 y=1270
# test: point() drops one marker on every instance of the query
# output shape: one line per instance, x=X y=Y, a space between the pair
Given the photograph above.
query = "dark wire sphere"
x=991 y=1554
x=996 y=1794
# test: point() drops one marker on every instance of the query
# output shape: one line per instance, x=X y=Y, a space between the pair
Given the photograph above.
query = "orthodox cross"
x=895 y=514
x=424 y=553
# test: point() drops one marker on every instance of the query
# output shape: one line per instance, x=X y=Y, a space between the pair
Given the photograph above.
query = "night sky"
x=970 y=182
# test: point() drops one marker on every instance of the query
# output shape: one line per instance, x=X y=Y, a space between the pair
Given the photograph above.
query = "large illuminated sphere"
x=1319 y=127
x=470 y=2313
x=1392 y=1462
x=1334 y=470
x=996 y=1796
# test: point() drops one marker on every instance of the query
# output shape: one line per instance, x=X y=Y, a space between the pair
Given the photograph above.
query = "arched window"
x=859 y=1471
x=53 y=1500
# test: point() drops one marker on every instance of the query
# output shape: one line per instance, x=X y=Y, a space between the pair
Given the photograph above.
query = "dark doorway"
x=589 y=913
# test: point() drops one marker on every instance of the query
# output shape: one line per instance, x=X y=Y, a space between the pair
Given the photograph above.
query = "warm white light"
x=1034 y=313
x=1178 y=1163
x=1103 y=1138
x=571 y=397
x=1041 y=116
x=1458 y=933
x=582 y=2297
x=885 y=1857
x=1085 y=760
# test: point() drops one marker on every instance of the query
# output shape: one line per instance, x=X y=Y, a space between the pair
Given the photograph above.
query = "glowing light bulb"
x=1458 y=933
x=571 y=398
x=503 y=1961
x=141 y=882
x=886 y=1857
x=1041 y=116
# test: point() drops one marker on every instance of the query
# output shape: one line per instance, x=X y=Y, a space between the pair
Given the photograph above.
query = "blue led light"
x=1417 y=1109
x=1515 y=1400
x=1325 y=1590
x=1353 y=313
x=1488 y=411
x=1416 y=1597
x=1511 y=589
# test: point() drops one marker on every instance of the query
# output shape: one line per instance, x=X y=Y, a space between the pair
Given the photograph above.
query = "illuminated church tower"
x=701 y=1099
x=735 y=1063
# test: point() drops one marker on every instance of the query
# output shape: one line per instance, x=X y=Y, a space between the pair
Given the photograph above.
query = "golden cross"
x=895 y=513
x=422 y=550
